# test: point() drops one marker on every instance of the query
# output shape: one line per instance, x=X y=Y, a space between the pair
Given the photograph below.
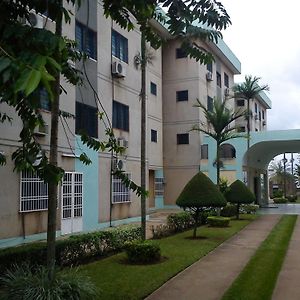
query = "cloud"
x=263 y=35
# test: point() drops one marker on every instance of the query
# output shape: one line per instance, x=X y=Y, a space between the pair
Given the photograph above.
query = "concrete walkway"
x=212 y=275
x=288 y=286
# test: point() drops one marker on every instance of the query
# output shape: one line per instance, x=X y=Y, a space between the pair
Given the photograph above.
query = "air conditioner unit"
x=119 y=164
x=227 y=91
x=41 y=130
x=118 y=69
x=209 y=76
x=123 y=143
x=35 y=20
x=264 y=123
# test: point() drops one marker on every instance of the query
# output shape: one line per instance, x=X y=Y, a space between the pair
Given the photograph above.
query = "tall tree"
x=247 y=90
x=218 y=126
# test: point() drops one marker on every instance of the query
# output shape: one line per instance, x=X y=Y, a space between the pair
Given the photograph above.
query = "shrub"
x=73 y=250
x=249 y=208
x=180 y=221
x=161 y=230
x=23 y=282
x=292 y=198
x=218 y=221
x=239 y=194
x=228 y=211
x=142 y=251
x=199 y=194
x=277 y=194
x=223 y=186
x=280 y=200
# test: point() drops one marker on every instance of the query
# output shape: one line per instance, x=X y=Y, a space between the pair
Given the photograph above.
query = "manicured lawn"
x=118 y=280
x=258 y=279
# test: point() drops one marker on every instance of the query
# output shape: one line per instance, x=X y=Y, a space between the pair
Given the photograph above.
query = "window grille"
x=34 y=192
x=119 y=46
x=120 y=193
x=72 y=196
x=159 y=187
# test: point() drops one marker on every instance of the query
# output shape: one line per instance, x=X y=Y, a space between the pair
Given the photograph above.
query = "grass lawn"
x=118 y=280
x=258 y=279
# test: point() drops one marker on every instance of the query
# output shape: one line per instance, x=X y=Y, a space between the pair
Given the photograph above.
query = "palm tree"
x=249 y=89
x=218 y=126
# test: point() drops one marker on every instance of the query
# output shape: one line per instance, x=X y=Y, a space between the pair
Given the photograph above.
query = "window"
x=263 y=114
x=34 y=192
x=86 y=40
x=120 y=193
x=182 y=95
x=209 y=67
x=219 y=79
x=180 y=53
x=241 y=129
x=210 y=103
x=227 y=151
x=159 y=186
x=259 y=116
x=44 y=99
x=183 y=139
x=86 y=119
x=204 y=151
x=120 y=116
x=119 y=46
x=153 y=136
x=240 y=102
x=226 y=80
x=153 y=88
x=256 y=107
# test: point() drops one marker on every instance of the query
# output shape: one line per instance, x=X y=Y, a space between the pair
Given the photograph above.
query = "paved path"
x=212 y=275
x=288 y=286
x=281 y=209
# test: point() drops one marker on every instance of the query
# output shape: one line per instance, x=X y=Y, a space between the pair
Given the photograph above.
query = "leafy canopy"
x=200 y=192
x=239 y=193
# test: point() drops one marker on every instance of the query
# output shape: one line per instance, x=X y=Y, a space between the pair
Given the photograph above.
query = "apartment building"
x=90 y=197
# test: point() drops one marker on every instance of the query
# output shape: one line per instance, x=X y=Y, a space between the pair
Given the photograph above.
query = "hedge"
x=218 y=221
x=73 y=250
x=142 y=251
x=279 y=200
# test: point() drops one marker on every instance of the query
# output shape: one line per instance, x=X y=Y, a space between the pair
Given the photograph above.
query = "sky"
x=264 y=35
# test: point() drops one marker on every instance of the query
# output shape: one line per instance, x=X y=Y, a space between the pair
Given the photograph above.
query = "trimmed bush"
x=24 y=282
x=71 y=251
x=239 y=194
x=292 y=198
x=218 y=221
x=277 y=194
x=161 y=230
x=142 y=251
x=200 y=193
x=180 y=221
x=280 y=200
x=228 y=211
x=249 y=208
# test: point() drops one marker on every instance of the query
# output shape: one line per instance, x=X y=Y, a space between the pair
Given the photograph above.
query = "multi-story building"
x=90 y=197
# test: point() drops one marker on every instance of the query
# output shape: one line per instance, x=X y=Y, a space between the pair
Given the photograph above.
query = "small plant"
x=27 y=283
x=228 y=211
x=277 y=194
x=223 y=186
x=161 y=230
x=142 y=251
x=215 y=221
x=180 y=221
x=249 y=208
x=280 y=200
x=292 y=198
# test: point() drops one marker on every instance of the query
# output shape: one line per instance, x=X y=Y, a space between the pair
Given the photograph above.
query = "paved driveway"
x=281 y=209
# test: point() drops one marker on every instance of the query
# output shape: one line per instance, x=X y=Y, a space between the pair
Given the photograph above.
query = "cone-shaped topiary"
x=199 y=193
x=239 y=194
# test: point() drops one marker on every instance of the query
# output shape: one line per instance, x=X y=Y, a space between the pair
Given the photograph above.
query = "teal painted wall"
x=90 y=185
x=159 y=200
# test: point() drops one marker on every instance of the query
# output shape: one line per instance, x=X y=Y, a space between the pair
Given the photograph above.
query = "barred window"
x=34 y=192
x=159 y=186
x=120 y=193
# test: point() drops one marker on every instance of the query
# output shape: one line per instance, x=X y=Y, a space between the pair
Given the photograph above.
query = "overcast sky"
x=264 y=35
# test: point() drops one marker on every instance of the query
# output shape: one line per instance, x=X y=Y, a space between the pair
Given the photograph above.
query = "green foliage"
x=180 y=221
x=223 y=186
x=200 y=192
x=280 y=200
x=142 y=251
x=73 y=250
x=228 y=211
x=249 y=208
x=292 y=198
x=277 y=194
x=25 y=283
x=215 y=221
x=239 y=193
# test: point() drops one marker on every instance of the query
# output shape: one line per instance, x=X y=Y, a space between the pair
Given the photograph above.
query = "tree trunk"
x=218 y=164
x=248 y=141
x=53 y=188
x=237 y=211
x=196 y=218
x=143 y=133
